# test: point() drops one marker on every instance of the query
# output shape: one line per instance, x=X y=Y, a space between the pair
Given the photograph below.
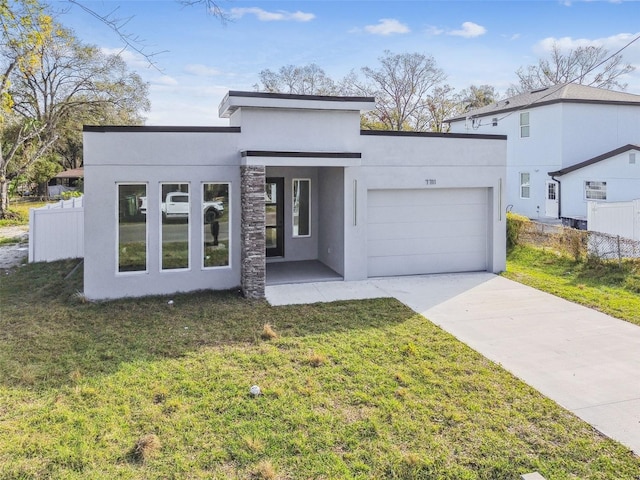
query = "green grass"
x=20 y=213
x=10 y=240
x=351 y=390
x=606 y=286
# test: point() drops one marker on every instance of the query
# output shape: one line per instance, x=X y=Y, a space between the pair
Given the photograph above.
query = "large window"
x=595 y=190
x=132 y=227
x=216 y=217
x=174 y=234
x=524 y=124
x=525 y=185
x=301 y=207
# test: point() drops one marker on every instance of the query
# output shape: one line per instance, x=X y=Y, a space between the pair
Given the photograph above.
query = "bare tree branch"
x=590 y=65
x=117 y=25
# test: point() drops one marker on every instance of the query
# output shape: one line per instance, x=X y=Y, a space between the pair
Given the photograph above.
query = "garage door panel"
x=422 y=213
x=380 y=198
x=427 y=231
x=417 y=246
x=423 y=264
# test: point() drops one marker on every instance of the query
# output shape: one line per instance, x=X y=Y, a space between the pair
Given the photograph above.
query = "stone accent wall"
x=253 y=273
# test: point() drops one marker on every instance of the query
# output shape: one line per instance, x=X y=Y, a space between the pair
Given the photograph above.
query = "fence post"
x=619 y=252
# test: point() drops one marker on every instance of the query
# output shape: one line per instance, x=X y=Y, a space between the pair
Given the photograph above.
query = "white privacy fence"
x=615 y=218
x=56 y=231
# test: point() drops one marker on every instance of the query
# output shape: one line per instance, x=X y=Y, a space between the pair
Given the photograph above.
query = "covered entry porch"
x=304 y=215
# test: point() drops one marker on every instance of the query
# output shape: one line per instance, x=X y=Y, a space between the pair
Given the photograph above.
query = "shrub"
x=574 y=242
x=70 y=194
x=515 y=225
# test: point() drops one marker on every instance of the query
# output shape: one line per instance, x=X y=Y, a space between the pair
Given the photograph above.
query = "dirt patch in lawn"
x=13 y=254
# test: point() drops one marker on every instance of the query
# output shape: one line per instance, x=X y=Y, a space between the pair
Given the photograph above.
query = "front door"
x=551 y=202
x=274 y=222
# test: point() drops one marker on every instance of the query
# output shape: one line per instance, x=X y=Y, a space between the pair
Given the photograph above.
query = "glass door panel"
x=274 y=220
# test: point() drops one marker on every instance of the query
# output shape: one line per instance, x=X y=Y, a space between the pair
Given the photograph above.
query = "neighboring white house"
x=297 y=180
x=566 y=145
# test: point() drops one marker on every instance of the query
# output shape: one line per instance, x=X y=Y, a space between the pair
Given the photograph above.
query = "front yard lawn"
x=607 y=286
x=365 y=389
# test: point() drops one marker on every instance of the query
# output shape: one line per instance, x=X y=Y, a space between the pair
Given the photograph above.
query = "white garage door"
x=427 y=231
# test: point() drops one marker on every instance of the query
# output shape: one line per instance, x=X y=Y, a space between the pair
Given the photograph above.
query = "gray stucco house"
x=292 y=182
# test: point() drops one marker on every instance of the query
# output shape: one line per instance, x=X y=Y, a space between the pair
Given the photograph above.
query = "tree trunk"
x=4 y=193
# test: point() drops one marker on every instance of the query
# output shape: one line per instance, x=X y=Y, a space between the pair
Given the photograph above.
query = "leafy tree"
x=307 y=80
x=68 y=146
x=477 y=97
x=588 y=65
x=43 y=170
x=24 y=26
x=401 y=85
x=68 y=82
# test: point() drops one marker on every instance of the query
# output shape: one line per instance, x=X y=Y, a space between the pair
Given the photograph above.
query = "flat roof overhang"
x=271 y=158
x=236 y=99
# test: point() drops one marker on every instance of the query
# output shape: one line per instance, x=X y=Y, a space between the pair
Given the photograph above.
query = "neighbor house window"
x=216 y=217
x=524 y=124
x=132 y=227
x=632 y=159
x=174 y=233
x=595 y=190
x=301 y=207
x=525 y=185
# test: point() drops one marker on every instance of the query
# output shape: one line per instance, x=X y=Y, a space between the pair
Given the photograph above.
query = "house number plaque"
x=430 y=181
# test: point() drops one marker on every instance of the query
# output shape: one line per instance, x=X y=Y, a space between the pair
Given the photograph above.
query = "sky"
x=197 y=58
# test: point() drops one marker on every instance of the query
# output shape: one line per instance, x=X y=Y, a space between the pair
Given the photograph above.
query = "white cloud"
x=277 y=16
x=433 y=30
x=201 y=70
x=164 y=80
x=469 y=30
x=631 y=54
x=387 y=26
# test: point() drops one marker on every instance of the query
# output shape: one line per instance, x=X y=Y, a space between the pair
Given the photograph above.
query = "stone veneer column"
x=252 y=233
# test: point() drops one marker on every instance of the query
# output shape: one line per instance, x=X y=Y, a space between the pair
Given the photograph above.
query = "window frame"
x=146 y=228
x=203 y=225
x=161 y=225
x=525 y=126
x=293 y=208
x=592 y=191
x=525 y=185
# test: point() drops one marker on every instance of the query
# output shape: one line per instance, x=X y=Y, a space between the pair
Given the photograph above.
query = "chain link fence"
x=580 y=244
x=604 y=246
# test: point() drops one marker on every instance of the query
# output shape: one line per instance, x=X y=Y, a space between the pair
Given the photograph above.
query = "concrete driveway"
x=586 y=361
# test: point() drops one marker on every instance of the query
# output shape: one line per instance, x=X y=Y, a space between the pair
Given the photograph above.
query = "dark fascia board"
x=279 y=154
x=395 y=133
x=591 y=161
x=493 y=113
x=158 y=129
x=289 y=96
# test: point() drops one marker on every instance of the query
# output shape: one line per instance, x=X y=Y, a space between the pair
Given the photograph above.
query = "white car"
x=176 y=205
